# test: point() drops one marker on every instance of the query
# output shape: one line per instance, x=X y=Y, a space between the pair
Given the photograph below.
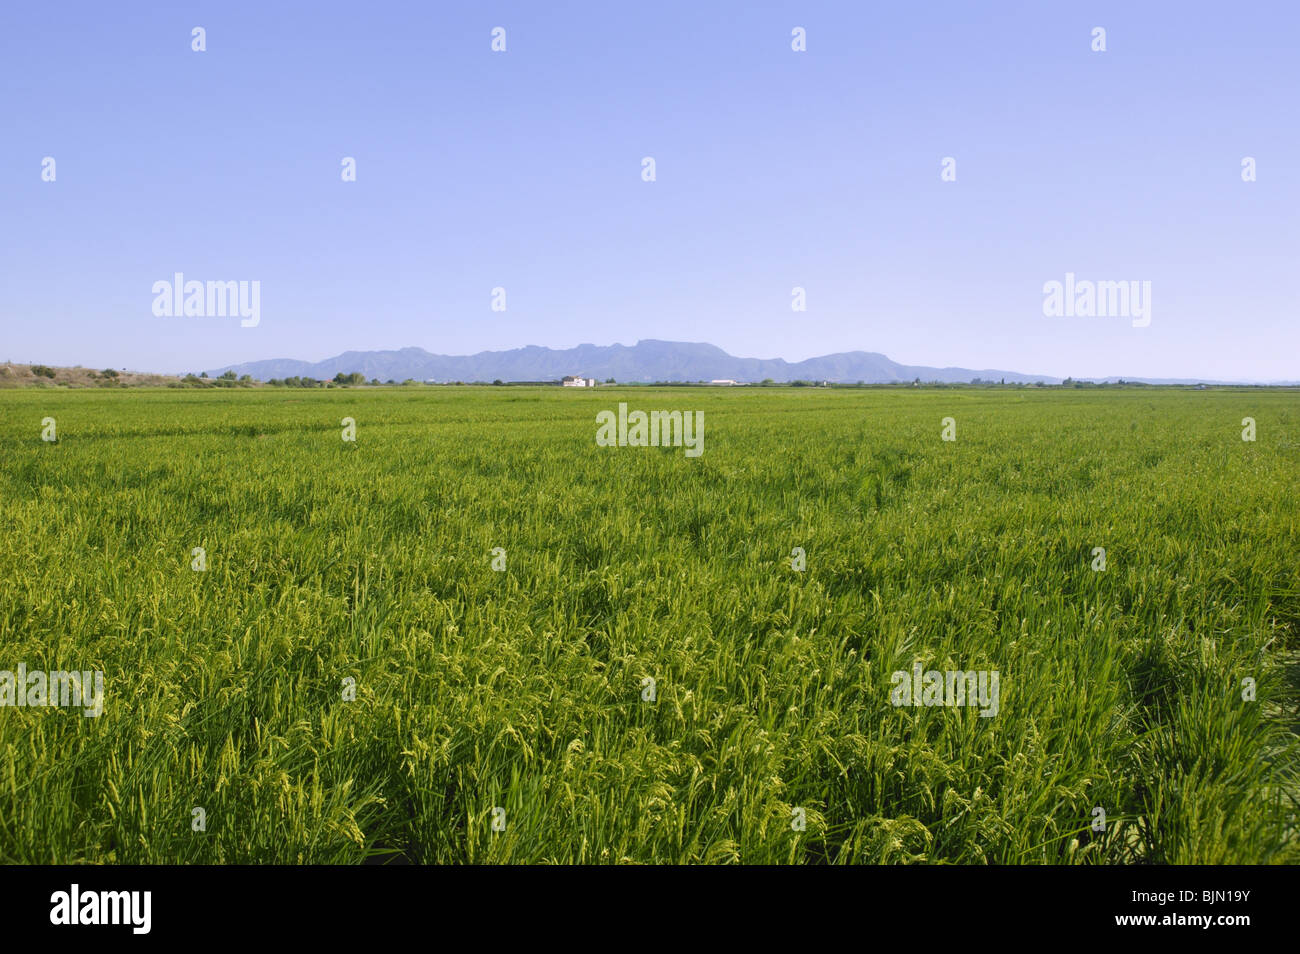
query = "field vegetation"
x=349 y=679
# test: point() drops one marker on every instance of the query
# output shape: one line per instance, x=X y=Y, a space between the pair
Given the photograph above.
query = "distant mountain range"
x=646 y=361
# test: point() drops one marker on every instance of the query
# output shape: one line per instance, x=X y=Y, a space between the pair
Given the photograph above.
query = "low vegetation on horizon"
x=44 y=376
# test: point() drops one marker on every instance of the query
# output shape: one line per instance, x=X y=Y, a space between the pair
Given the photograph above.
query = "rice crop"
x=474 y=635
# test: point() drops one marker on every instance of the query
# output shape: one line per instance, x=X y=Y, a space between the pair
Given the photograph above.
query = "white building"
x=726 y=381
x=575 y=381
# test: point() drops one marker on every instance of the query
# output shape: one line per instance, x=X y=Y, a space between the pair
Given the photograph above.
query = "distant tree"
x=374 y=382
x=276 y=383
x=610 y=381
x=228 y=376
x=204 y=374
x=109 y=373
x=42 y=371
x=498 y=382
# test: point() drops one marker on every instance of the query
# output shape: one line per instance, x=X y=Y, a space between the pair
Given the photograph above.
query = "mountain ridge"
x=649 y=360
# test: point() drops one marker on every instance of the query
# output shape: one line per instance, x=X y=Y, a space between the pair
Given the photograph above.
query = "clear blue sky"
x=775 y=169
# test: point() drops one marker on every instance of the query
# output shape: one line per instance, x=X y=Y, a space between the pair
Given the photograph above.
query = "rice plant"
x=475 y=635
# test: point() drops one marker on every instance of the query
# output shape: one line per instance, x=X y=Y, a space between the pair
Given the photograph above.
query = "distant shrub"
x=42 y=371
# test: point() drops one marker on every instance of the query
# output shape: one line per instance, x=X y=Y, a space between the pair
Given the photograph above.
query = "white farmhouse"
x=575 y=381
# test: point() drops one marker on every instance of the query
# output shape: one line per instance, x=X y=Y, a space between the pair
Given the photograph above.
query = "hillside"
x=647 y=361
x=42 y=376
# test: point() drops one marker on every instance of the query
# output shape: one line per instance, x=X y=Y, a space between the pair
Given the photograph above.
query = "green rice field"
x=472 y=635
